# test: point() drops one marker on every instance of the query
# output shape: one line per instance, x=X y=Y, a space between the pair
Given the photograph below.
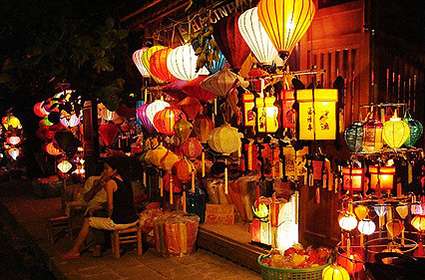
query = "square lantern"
x=288 y=113
x=267 y=114
x=353 y=179
x=385 y=174
x=317 y=120
x=248 y=108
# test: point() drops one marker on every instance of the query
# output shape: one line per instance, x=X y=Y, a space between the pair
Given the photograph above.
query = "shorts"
x=108 y=224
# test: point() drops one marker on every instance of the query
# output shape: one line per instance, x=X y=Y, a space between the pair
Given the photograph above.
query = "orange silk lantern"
x=203 y=127
x=183 y=170
x=352 y=263
x=176 y=184
x=190 y=106
x=383 y=174
x=353 y=179
x=191 y=148
x=146 y=56
x=158 y=65
x=165 y=120
x=52 y=150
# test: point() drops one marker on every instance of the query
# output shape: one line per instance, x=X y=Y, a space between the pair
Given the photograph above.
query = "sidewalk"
x=32 y=213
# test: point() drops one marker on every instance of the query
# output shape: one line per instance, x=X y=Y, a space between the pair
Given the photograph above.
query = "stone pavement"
x=31 y=214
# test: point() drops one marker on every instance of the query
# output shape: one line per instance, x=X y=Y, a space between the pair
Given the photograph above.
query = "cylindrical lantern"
x=366 y=227
x=353 y=178
x=191 y=148
x=165 y=120
x=158 y=65
x=256 y=37
x=348 y=222
x=203 y=127
x=64 y=166
x=395 y=132
x=267 y=117
x=286 y=21
x=137 y=59
x=181 y=62
x=416 y=130
x=372 y=137
x=383 y=174
x=353 y=136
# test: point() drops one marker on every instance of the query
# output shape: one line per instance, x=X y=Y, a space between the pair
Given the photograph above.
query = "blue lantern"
x=353 y=136
x=216 y=65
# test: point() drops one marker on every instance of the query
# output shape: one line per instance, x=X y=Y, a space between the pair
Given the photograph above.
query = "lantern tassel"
x=184 y=202
x=203 y=163
x=171 y=190
x=226 y=179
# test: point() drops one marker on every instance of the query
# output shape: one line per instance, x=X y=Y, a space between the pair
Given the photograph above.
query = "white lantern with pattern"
x=137 y=59
x=181 y=62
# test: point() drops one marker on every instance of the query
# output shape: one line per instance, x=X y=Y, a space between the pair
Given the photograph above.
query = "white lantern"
x=137 y=59
x=348 y=222
x=71 y=121
x=256 y=37
x=366 y=227
x=64 y=166
x=181 y=62
x=13 y=153
x=155 y=107
x=13 y=140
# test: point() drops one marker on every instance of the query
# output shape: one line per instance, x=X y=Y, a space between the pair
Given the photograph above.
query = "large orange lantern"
x=158 y=65
x=395 y=132
x=202 y=127
x=181 y=62
x=286 y=21
x=137 y=59
x=353 y=178
x=165 y=120
x=225 y=139
x=155 y=107
x=146 y=56
x=183 y=170
x=191 y=148
x=383 y=174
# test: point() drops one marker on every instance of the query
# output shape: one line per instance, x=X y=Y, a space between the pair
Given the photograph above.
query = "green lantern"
x=416 y=129
x=353 y=136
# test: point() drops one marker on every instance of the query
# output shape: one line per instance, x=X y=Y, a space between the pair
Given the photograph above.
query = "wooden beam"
x=140 y=10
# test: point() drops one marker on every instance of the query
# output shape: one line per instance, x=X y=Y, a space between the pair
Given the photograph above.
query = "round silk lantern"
x=108 y=132
x=352 y=263
x=191 y=107
x=177 y=186
x=335 y=272
x=225 y=139
x=221 y=82
x=286 y=21
x=146 y=56
x=372 y=136
x=203 y=127
x=39 y=110
x=183 y=170
x=142 y=116
x=13 y=153
x=416 y=130
x=217 y=64
x=230 y=41
x=183 y=129
x=70 y=121
x=158 y=65
x=155 y=107
x=165 y=120
x=13 y=140
x=64 y=166
x=256 y=37
x=52 y=150
x=181 y=62
x=191 y=148
x=11 y=122
x=193 y=88
x=395 y=132
x=137 y=59
x=348 y=222
x=366 y=227
x=353 y=136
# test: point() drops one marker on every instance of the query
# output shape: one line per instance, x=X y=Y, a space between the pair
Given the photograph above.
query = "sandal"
x=71 y=256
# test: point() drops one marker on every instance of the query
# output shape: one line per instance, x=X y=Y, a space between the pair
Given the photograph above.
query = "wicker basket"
x=273 y=273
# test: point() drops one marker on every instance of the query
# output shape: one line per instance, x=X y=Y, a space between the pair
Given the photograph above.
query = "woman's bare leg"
x=82 y=236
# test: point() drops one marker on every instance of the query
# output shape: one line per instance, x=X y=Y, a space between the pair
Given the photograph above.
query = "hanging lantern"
x=155 y=107
x=146 y=56
x=191 y=107
x=191 y=148
x=394 y=228
x=380 y=210
x=285 y=21
x=418 y=222
x=137 y=59
x=353 y=136
x=225 y=139
x=158 y=65
x=70 y=121
x=402 y=210
x=395 y=132
x=385 y=175
x=353 y=178
x=366 y=227
x=317 y=120
x=165 y=120
x=203 y=127
x=361 y=212
x=11 y=122
x=230 y=41
x=372 y=137
x=348 y=222
x=417 y=209
x=353 y=263
x=64 y=166
x=416 y=129
x=193 y=89
x=13 y=140
x=267 y=117
x=248 y=101
x=52 y=150
x=181 y=62
x=335 y=272
x=256 y=37
x=221 y=82
x=288 y=112
x=183 y=129
x=183 y=170
x=144 y=120
x=13 y=153
x=39 y=110
x=217 y=64
x=108 y=132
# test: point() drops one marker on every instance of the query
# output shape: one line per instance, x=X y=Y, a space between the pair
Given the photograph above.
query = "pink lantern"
x=71 y=121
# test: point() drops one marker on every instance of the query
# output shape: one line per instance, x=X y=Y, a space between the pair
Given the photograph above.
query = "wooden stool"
x=125 y=236
x=58 y=224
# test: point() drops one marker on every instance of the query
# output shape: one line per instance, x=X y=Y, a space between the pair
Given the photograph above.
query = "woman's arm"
x=110 y=188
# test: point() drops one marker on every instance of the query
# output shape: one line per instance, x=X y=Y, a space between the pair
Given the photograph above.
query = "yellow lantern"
x=286 y=21
x=335 y=272
x=267 y=117
x=348 y=222
x=137 y=59
x=395 y=132
x=181 y=63
x=385 y=175
x=256 y=37
x=418 y=222
x=64 y=166
x=225 y=139
x=146 y=56
x=10 y=121
x=317 y=119
x=361 y=212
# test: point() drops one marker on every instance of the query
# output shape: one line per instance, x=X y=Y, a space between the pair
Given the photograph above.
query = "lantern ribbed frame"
x=165 y=120
x=181 y=62
x=385 y=175
x=366 y=227
x=418 y=222
x=395 y=132
x=158 y=65
x=137 y=59
x=146 y=56
x=348 y=222
x=155 y=107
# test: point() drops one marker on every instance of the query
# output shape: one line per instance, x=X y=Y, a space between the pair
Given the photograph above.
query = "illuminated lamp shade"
x=417 y=209
x=155 y=107
x=11 y=122
x=220 y=83
x=217 y=64
x=183 y=129
x=202 y=127
x=39 y=110
x=395 y=132
x=361 y=212
x=256 y=37
x=267 y=117
x=372 y=136
x=394 y=228
x=193 y=89
x=137 y=59
x=158 y=65
x=64 y=166
x=183 y=170
x=165 y=120
x=52 y=150
x=225 y=139
x=70 y=121
x=418 y=222
x=402 y=210
x=181 y=62
x=13 y=140
x=286 y=21
x=385 y=174
x=335 y=272
x=13 y=153
x=191 y=148
x=416 y=130
x=348 y=222
x=366 y=227
x=353 y=136
x=143 y=118
x=191 y=107
x=353 y=179
x=146 y=56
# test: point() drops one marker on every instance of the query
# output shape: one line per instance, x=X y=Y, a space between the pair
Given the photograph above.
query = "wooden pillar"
x=91 y=137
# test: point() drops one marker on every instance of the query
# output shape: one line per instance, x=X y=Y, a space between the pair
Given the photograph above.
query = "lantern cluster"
x=12 y=135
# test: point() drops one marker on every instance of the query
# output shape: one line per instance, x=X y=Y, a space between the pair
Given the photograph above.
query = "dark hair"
x=120 y=164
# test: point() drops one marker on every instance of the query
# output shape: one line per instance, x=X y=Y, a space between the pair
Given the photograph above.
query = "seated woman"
x=121 y=210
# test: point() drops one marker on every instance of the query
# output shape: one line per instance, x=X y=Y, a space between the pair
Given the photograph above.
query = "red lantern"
x=203 y=127
x=52 y=150
x=288 y=113
x=191 y=107
x=177 y=186
x=183 y=170
x=165 y=120
x=353 y=179
x=107 y=133
x=193 y=88
x=381 y=177
x=175 y=89
x=352 y=264
x=158 y=65
x=39 y=110
x=192 y=148
x=230 y=40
